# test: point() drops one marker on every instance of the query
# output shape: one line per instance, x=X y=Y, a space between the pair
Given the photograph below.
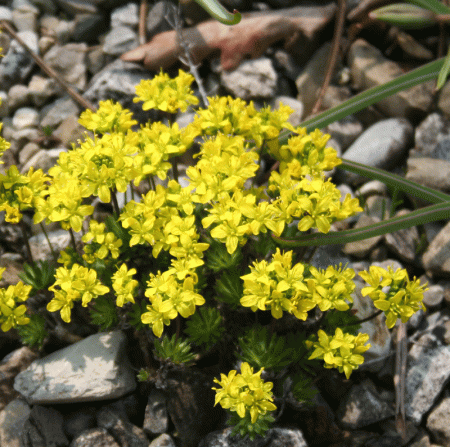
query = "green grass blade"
x=430 y=213
x=425 y=73
x=433 y=5
x=443 y=74
x=395 y=181
x=405 y=16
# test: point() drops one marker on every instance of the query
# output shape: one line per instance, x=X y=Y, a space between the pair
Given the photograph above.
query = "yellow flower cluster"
x=166 y=94
x=393 y=293
x=245 y=393
x=12 y=314
x=218 y=193
x=297 y=289
x=74 y=284
x=341 y=350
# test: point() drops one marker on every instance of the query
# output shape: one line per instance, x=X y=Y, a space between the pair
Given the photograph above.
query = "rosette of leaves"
x=205 y=327
x=33 y=333
x=262 y=350
x=174 y=350
x=229 y=288
x=39 y=275
x=244 y=426
x=104 y=313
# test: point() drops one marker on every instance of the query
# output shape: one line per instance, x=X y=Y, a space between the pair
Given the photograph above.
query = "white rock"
x=25 y=117
x=95 y=368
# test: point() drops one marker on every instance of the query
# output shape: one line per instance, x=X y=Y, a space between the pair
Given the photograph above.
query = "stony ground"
x=95 y=48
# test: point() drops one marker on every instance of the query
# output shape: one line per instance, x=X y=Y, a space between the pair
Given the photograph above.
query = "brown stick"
x=48 y=70
x=338 y=29
x=400 y=378
x=142 y=22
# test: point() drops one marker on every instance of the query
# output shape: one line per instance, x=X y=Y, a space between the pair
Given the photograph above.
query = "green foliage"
x=104 y=313
x=137 y=309
x=40 y=275
x=302 y=388
x=245 y=427
x=175 y=350
x=143 y=375
x=346 y=319
x=218 y=259
x=205 y=327
x=33 y=333
x=229 y=288
x=262 y=350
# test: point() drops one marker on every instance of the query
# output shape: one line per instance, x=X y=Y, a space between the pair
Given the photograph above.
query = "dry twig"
x=142 y=22
x=48 y=70
x=338 y=29
x=399 y=379
x=177 y=24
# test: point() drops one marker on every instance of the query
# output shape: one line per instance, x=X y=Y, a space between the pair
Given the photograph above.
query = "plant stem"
x=115 y=203
x=27 y=242
x=55 y=256
x=363 y=320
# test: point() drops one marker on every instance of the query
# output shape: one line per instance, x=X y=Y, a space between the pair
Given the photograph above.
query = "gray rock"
x=122 y=431
x=310 y=80
x=17 y=63
x=163 y=440
x=364 y=405
x=43 y=159
x=28 y=151
x=25 y=117
x=120 y=40
x=73 y=7
x=403 y=242
x=12 y=421
x=275 y=437
x=436 y=258
x=95 y=437
x=437 y=421
x=13 y=264
x=89 y=27
x=369 y=68
x=47 y=6
x=58 y=111
x=156 y=420
x=5 y=13
x=69 y=61
x=95 y=368
x=156 y=21
x=434 y=296
x=345 y=131
x=117 y=81
x=374 y=187
x=18 y=96
x=79 y=421
x=380 y=336
x=432 y=137
x=41 y=90
x=44 y=426
x=25 y=19
x=21 y=137
x=61 y=29
x=127 y=15
x=382 y=145
x=252 y=79
x=69 y=131
x=287 y=63
x=427 y=374
x=361 y=249
x=429 y=172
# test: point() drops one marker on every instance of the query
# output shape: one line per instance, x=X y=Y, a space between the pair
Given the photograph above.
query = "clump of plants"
x=198 y=259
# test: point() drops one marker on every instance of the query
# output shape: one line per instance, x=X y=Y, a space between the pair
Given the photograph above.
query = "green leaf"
x=205 y=327
x=405 y=16
x=430 y=213
x=263 y=350
x=175 y=350
x=395 y=181
x=218 y=259
x=422 y=74
x=33 y=333
x=218 y=12
x=104 y=313
x=229 y=288
x=433 y=5
x=443 y=74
